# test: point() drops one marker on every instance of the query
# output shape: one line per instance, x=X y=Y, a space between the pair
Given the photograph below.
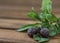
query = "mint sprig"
x=47 y=19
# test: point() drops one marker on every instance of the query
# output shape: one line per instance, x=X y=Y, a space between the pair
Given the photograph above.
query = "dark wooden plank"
x=19 y=8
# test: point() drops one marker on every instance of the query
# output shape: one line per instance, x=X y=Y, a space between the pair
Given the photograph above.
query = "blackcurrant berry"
x=31 y=32
x=44 y=32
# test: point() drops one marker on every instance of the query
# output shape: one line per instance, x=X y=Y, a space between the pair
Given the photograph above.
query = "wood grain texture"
x=11 y=36
x=14 y=37
x=13 y=24
x=19 y=8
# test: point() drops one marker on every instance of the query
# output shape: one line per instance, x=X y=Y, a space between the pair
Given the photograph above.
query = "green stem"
x=46 y=6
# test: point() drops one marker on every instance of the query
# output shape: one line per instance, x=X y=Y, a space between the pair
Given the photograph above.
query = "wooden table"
x=9 y=34
x=13 y=14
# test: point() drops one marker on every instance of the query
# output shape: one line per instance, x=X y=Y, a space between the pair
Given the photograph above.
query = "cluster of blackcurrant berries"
x=44 y=32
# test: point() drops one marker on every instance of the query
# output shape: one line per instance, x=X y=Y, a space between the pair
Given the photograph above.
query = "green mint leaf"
x=48 y=17
x=52 y=33
x=51 y=17
x=58 y=27
x=42 y=17
x=33 y=15
x=45 y=24
x=53 y=30
x=40 y=39
x=36 y=37
x=25 y=27
x=58 y=21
